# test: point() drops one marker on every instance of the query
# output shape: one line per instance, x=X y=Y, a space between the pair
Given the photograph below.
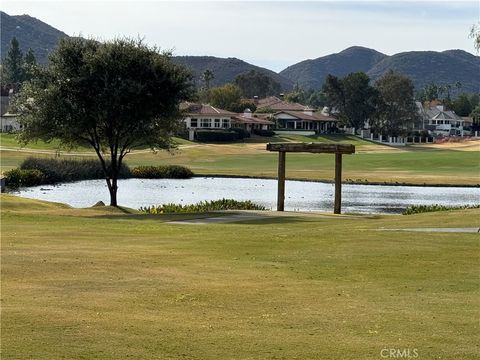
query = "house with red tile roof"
x=276 y=104
x=204 y=116
x=284 y=116
x=295 y=116
x=251 y=122
x=307 y=119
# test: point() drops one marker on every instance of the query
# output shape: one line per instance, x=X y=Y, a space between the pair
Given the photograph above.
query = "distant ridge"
x=425 y=67
x=226 y=69
x=30 y=33
x=312 y=73
x=422 y=67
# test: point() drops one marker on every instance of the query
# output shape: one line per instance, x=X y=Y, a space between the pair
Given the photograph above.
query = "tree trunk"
x=111 y=174
x=113 y=193
x=114 y=170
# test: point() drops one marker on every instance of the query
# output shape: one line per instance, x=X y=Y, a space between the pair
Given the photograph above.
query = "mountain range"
x=423 y=67
x=30 y=33
x=226 y=69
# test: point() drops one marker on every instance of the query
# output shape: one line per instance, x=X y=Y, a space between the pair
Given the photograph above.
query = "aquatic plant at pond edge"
x=417 y=209
x=203 y=206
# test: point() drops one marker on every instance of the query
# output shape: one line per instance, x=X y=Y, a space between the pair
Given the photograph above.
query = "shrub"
x=242 y=133
x=216 y=135
x=63 y=170
x=203 y=206
x=160 y=172
x=18 y=177
x=418 y=209
x=265 y=110
x=268 y=133
x=240 y=106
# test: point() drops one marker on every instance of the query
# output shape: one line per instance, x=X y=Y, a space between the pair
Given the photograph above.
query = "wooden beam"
x=281 y=181
x=312 y=148
x=338 y=184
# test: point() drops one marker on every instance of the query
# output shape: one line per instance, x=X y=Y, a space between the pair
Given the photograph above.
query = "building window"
x=217 y=123
x=193 y=123
x=225 y=123
x=205 y=123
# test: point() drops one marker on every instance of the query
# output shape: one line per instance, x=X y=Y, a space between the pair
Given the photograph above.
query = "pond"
x=299 y=195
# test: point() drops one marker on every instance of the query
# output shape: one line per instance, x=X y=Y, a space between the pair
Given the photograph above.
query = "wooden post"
x=281 y=181
x=318 y=148
x=338 y=184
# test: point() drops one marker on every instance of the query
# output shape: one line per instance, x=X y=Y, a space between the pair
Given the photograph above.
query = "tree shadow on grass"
x=203 y=218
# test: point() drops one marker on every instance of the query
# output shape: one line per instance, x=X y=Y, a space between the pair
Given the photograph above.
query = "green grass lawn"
x=106 y=284
x=372 y=162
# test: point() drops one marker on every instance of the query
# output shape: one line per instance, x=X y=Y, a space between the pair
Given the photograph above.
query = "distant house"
x=468 y=125
x=305 y=120
x=8 y=121
x=282 y=115
x=204 y=116
x=251 y=122
x=295 y=116
x=438 y=121
x=276 y=104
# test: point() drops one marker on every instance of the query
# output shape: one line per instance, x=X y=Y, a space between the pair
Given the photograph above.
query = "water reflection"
x=302 y=196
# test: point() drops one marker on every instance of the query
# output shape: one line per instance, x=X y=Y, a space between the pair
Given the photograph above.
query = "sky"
x=271 y=34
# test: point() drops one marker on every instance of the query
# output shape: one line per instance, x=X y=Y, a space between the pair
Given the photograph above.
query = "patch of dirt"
x=466 y=145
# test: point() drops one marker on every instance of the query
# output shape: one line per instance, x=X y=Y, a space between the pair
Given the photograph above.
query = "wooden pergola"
x=317 y=148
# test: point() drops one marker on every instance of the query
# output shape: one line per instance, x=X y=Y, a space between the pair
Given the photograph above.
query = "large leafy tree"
x=396 y=112
x=29 y=65
x=352 y=97
x=253 y=83
x=461 y=105
x=429 y=92
x=113 y=96
x=225 y=97
x=475 y=114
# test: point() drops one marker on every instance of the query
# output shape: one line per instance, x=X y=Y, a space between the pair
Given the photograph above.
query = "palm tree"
x=206 y=77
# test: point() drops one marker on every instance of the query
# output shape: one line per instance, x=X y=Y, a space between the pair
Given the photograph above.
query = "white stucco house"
x=307 y=119
x=8 y=121
x=295 y=116
x=204 y=116
x=251 y=122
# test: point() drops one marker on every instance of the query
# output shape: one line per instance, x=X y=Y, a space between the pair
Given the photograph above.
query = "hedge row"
x=64 y=170
x=160 y=172
x=16 y=178
x=268 y=133
x=227 y=135
x=40 y=171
